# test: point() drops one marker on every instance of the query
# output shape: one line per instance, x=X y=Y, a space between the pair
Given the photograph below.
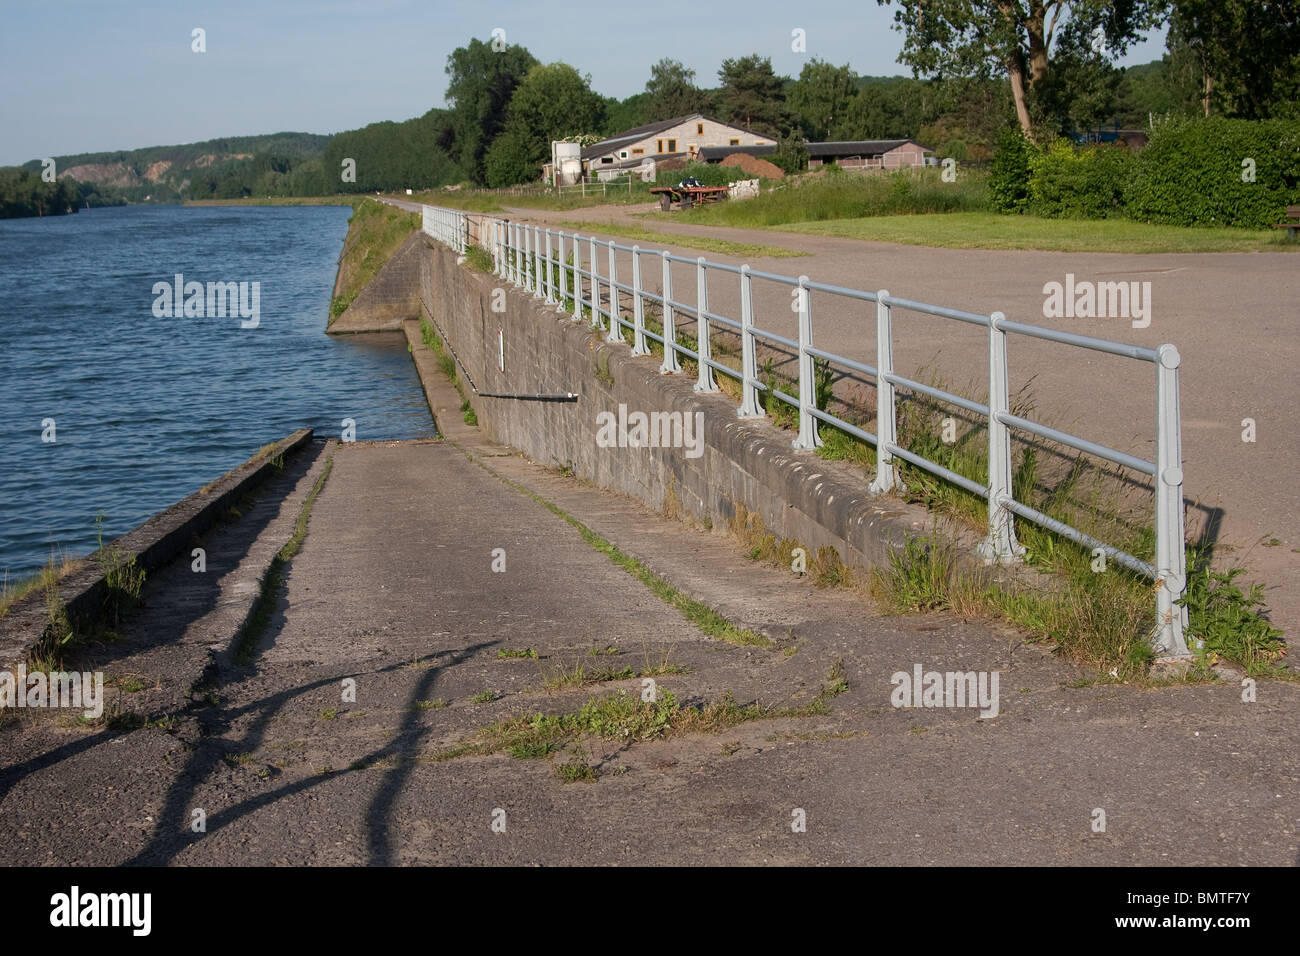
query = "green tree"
x=822 y=96
x=552 y=102
x=672 y=92
x=791 y=155
x=752 y=95
x=626 y=114
x=1081 y=90
x=482 y=81
x=1243 y=55
x=1012 y=38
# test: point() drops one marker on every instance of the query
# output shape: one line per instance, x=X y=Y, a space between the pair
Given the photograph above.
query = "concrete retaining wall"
x=750 y=463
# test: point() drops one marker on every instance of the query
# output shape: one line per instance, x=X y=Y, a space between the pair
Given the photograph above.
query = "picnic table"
x=688 y=196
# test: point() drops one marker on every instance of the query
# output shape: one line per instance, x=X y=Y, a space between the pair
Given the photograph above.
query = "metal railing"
x=536 y=259
x=448 y=226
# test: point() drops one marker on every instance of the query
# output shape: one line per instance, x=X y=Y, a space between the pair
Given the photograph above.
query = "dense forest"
x=1231 y=59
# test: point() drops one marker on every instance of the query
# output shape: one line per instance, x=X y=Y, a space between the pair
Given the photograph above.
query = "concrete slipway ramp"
x=393 y=588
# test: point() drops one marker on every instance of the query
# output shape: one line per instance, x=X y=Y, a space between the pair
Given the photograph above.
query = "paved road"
x=1233 y=316
x=394 y=588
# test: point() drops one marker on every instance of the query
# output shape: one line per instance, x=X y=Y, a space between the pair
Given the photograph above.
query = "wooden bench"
x=1293 y=221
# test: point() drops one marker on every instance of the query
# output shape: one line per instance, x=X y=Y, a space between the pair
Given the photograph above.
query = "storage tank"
x=567 y=160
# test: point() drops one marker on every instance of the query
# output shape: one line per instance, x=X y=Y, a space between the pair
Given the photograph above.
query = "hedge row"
x=1191 y=173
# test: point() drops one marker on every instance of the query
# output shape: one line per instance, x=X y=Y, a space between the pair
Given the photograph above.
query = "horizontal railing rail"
x=554 y=265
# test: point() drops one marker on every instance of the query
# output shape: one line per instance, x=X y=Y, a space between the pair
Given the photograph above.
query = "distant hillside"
x=167 y=173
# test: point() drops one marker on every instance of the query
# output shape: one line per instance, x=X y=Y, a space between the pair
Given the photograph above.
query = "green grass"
x=725 y=247
x=374 y=233
x=576 y=771
x=259 y=615
x=837 y=195
x=447 y=362
x=507 y=653
x=53 y=571
x=559 y=676
x=915 y=207
x=480 y=259
x=123 y=584
x=989 y=230
x=627 y=718
x=484 y=697
x=434 y=704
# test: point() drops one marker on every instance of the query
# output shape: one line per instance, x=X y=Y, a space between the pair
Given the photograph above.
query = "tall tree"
x=552 y=102
x=1245 y=52
x=752 y=94
x=672 y=91
x=482 y=80
x=1012 y=37
x=821 y=97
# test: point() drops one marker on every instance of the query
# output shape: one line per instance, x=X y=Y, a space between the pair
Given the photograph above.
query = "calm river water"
x=146 y=409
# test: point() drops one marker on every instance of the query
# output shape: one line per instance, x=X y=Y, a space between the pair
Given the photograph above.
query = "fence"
x=535 y=259
x=448 y=226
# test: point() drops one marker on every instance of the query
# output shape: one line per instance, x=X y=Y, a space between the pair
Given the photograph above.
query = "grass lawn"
x=987 y=230
x=499 y=200
x=723 y=247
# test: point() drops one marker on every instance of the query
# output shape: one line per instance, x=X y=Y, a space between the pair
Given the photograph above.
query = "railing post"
x=562 y=265
x=538 y=280
x=615 y=327
x=808 y=438
x=1170 y=638
x=670 y=363
x=550 y=276
x=595 y=282
x=886 y=410
x=639 y=346
x=577 y=277
x=749 y=405
x=526 y=235
x=517 y=246
x=704 y=382
x=1000 y=547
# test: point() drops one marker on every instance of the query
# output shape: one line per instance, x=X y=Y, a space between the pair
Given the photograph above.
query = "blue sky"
x=89 y=76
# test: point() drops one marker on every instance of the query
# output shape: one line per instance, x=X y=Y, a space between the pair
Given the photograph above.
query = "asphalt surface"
x=394 y=588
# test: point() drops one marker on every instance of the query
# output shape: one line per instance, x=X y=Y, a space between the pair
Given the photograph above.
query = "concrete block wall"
x=391 y=296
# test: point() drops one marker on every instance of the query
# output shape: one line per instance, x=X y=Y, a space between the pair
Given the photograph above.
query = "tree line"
x=979 y=67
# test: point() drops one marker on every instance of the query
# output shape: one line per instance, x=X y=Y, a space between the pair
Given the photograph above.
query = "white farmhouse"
x=679 y=138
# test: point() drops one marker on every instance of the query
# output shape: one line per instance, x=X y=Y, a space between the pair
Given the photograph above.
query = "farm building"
x=854 y=154
x=868 y=154
x=680 y=139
